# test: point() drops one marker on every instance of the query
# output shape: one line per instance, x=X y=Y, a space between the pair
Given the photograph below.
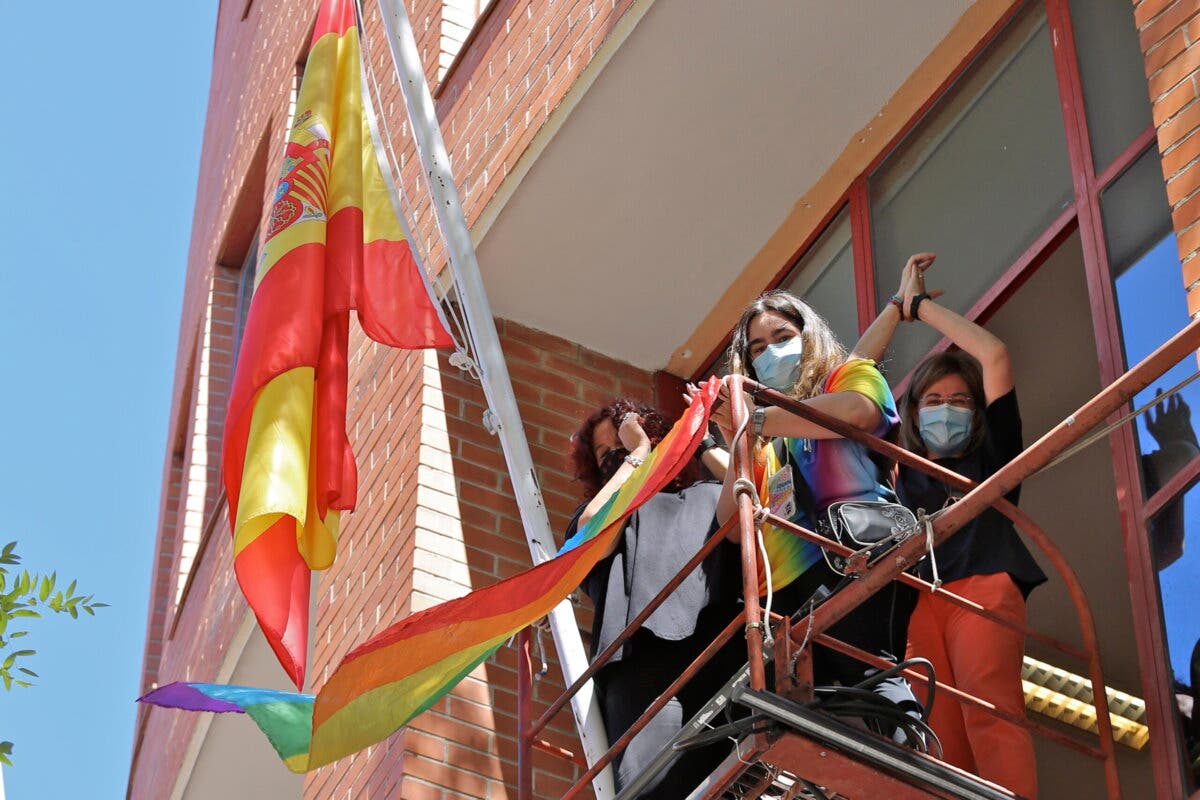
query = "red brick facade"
x=1170 y=36
x=435 y=518
x=435 y=515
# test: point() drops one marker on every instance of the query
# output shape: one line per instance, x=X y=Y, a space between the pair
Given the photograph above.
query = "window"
x=824 y=278
x=977 y=180
x=458 y=20
x=1111 y=70
x=245 y=291
x=1142 y=251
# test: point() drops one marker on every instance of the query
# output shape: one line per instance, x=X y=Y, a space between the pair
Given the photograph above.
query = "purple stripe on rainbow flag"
x=396 y=674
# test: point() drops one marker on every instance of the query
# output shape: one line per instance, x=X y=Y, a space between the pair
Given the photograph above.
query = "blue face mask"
x=779 y=364
x=945 y=429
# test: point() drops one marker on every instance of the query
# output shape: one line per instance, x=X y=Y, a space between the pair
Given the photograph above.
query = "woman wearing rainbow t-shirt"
x=783 y=343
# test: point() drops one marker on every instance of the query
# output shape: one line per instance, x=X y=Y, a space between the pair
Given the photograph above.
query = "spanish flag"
x=404 y=669
x=333 y=242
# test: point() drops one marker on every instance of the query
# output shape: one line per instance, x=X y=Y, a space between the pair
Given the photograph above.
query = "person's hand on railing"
x=722 y=412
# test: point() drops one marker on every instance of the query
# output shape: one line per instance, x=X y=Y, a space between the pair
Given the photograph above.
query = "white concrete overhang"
x=667 y=173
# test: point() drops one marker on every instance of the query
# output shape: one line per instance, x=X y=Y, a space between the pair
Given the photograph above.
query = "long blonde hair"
x=822 y=350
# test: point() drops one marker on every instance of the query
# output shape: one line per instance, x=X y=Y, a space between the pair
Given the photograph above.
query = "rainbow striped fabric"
x=406 y=668
x=334 y=242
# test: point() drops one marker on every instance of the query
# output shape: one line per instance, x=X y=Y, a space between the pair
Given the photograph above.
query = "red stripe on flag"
x=275 y=581
x=335 y=16
x=383 y=282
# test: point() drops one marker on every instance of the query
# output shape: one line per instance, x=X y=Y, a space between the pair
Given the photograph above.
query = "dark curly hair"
x=582 y=460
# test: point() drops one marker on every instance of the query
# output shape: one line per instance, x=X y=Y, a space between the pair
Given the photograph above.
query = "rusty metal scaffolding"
x=762 y=757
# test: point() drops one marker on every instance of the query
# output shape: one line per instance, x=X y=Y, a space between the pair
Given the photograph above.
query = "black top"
x=658 y=540
x=989 y=543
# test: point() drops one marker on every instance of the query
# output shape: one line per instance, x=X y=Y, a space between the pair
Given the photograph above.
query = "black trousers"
x=878 y=626
x=626 y=688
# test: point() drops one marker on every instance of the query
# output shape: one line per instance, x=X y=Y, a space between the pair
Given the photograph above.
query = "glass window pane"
x=1137 y=215
x=1113 y=74
x=824 y=278
x=978 y=180
x=1153 y=307
x=1177 y=588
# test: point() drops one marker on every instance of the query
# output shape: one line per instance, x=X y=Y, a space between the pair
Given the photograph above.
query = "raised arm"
x=634 y=439
x=988 y=350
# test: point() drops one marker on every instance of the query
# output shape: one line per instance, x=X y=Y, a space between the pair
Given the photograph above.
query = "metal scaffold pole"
x=497 y=386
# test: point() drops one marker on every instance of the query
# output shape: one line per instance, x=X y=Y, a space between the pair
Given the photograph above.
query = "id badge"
x=781 y=493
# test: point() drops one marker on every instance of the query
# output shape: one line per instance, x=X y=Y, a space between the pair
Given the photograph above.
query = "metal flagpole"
x=505 y=419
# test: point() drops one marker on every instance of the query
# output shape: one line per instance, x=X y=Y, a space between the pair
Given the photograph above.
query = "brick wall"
x=193 y=484
x=435 y=519
x=1170 y=38
x=252 y=79
x=515 y=72
x=194 y=651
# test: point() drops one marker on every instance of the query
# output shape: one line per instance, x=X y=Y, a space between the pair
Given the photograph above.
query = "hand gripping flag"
x=333 y=242
x=403 y=670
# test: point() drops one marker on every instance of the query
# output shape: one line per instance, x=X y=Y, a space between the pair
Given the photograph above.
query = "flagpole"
x=497 y=386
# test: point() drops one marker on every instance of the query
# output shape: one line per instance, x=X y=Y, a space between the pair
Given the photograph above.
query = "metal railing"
x=810 y=629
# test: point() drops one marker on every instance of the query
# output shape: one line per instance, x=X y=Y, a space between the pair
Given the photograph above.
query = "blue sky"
x=106 y=108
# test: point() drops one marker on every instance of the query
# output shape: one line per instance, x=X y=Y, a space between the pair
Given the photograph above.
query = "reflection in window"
x=1153 y=307
x=458 y=19
x=977 y=181
x=1177 y=588
x=824 y=278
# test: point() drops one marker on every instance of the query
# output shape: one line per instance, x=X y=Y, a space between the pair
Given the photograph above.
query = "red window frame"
x=1082 y=215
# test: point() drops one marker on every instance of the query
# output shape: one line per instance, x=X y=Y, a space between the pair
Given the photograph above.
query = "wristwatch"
x=758 y=418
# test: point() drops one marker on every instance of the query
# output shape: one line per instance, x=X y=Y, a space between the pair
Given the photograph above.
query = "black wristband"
x=706 y=444
x=915 y=303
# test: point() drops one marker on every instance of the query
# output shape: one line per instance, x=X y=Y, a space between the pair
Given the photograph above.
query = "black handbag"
x=870 y=527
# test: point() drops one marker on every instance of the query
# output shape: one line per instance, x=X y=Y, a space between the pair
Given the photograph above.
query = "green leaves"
x=28 y=596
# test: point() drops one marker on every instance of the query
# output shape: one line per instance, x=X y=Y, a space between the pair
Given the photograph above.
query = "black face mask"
x=611 y=462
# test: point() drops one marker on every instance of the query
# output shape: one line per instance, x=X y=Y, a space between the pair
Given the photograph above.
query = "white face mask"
x=779 y=365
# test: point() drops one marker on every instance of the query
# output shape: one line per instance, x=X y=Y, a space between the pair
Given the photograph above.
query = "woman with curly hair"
x=657 y=541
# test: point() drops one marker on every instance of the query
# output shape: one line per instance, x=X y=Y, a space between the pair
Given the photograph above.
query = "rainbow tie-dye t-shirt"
x=834 y=470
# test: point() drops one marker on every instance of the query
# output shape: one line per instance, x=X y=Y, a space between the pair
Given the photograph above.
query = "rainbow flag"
x=405 y=669
x=333 y=242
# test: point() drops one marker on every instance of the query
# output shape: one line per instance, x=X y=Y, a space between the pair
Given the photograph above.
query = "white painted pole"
x=497 y=386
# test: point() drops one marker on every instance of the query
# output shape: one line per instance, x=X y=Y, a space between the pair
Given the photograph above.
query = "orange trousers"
x=983 y=659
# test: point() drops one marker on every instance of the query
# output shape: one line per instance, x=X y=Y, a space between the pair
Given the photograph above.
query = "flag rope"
x=461 y=333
